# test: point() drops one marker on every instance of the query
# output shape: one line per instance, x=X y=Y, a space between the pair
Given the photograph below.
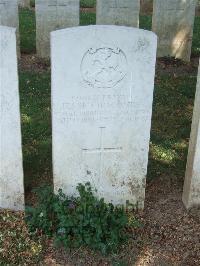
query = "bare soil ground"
x=170 y=235
x=173 y=233
x=30 y=62
x=176 y=67
x=88 y=9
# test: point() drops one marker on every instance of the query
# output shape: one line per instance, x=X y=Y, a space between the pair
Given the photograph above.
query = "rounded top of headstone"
x=7 y=28
x=103 y=27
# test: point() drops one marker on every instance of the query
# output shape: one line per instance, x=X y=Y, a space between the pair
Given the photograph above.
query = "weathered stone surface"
x=24 y=3
x=102 y=92
x=191 y=191
x=11 y=173
x=118 y=12
x=52 y=15
x=9 y=17
x=173 y=22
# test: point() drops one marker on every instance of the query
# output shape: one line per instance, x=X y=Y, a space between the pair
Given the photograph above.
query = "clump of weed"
x=79 y=221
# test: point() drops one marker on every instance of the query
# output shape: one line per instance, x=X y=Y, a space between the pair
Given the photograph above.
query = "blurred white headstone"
x=118 y=12
x=11 y=172
x=173 y=22
x=52 y=15
x=191 y=192
x=9 y=17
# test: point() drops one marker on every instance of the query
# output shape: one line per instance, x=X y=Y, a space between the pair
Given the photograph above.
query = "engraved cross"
x=101 y=150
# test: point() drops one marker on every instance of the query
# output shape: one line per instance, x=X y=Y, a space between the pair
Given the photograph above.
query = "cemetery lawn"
x=88 y=3
x=169 y=235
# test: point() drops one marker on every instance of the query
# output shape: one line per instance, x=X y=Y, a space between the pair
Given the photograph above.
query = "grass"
x=196 y=37
x=88 y=3
x=27 y=31
x=145 y=22
x=172 y=114
x=36 y=125
x=87 y=19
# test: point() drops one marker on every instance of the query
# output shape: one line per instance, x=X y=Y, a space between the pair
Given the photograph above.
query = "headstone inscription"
x=52 y=15
x=9 y=17
x=11 y=172
x=173 y=22
x=191 y=191
x=118 y=12
x=102 y=92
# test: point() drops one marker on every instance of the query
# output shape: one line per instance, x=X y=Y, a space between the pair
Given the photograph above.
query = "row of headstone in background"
x=120 y=12
x=52 y=15
x=191 y=191
x=102 y=93
x=11 y=172
x=173 y=21
x=24 y=3
x=9 y=17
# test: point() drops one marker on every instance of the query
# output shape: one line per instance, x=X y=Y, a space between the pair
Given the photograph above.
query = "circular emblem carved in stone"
x=104 y=67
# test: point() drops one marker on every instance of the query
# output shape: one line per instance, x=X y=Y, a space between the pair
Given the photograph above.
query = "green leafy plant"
x=43 y=216
x=81 y=221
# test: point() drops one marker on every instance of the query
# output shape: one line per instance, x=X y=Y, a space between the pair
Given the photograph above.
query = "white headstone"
x=118 y=12
x=191 y=191
x=52 y=15
x=11 y=173
x=102 y=93
x=24 y=3
x=9 y=16
x=173 y=22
